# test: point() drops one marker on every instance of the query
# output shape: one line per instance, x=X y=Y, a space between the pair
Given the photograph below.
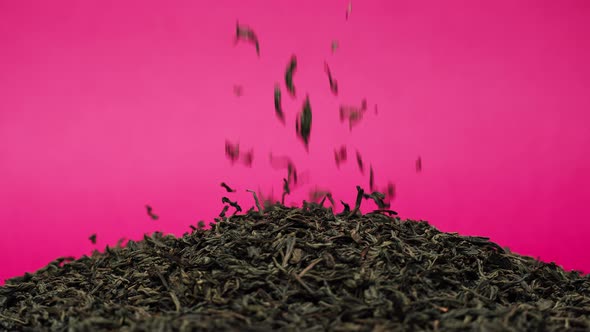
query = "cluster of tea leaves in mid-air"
x=300 y=269
x=351 y=114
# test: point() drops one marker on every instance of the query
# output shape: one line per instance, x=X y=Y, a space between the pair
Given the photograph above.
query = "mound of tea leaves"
x=300 y=270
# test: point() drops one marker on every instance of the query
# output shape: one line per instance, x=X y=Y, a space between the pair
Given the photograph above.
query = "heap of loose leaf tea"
x=300 y=270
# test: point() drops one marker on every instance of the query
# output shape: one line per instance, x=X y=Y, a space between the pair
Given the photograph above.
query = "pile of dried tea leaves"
x=298 y=269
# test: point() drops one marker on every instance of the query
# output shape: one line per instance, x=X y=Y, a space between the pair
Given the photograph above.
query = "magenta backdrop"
x=106 y=106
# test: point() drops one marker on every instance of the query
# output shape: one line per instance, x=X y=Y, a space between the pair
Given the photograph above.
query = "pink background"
x=106 y=106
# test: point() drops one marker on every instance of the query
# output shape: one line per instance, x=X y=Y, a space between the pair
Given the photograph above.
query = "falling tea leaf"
x=334 y=45
x=232 y=151
x=248 y=157
x=340 y=155
x=359 y=162
x=348 y=9
x=227 y=188
x=246 y=33
x=303 y=123
x=235 y=205
x=286 y=190
x=353 y=114
x=278 y=104
x=291 y=68
x=151 y=213
x=332 y=81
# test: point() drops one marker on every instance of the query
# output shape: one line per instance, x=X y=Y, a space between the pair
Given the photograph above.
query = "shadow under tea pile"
x=301 y=269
